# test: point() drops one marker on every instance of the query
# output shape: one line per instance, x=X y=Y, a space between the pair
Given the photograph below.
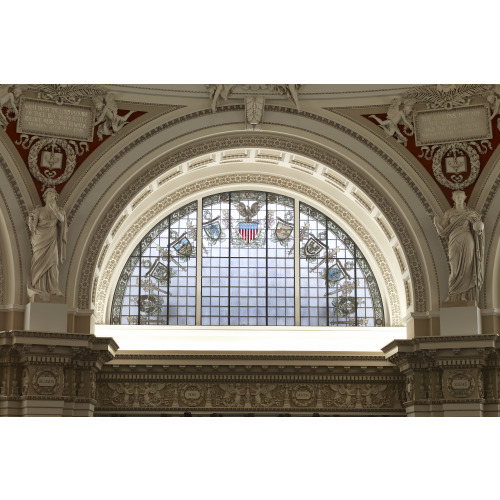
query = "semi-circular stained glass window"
x=247 y=258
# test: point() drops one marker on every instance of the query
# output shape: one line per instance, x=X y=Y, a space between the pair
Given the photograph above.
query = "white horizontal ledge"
x=283 y=339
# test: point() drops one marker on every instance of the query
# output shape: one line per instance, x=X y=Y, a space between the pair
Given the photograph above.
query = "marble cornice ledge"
x=105 y=347
x=458 y=351
x=439 y=343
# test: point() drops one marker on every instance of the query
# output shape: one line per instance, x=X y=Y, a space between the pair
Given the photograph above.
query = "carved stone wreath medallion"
x=45 y=382
x=303 y=395
x=47 y=174
x=192 y=395
x=460 y=384
x=452 y=170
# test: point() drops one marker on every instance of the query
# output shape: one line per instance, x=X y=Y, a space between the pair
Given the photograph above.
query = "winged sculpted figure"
x=398 y=114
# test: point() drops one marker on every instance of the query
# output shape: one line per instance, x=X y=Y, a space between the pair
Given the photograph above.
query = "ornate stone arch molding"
x=375 y=166
x=2 y=279
x=11 y=277
x=126 y=238
x=14 y=239
x=491 y=287
x=18 y=177
x=96 y=243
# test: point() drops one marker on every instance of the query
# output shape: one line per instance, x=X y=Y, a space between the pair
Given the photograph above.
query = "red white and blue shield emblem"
x=248 y=230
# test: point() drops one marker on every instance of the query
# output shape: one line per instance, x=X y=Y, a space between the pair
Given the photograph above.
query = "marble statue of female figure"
x=463 y=229
x=48 y=230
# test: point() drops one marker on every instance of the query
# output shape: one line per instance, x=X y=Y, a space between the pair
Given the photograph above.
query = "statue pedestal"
x=46 y=317
x=460 y=318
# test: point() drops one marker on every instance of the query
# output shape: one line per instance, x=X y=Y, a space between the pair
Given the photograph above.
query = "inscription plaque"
x=43 y=118
x=303 y=394
x=192 y=394
x=441 y=126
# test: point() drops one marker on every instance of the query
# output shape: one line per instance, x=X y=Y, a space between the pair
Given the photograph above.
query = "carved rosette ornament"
x=452 y=126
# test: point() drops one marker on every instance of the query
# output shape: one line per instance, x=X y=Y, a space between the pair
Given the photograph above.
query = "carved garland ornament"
x=255 y=395
x=269 y=180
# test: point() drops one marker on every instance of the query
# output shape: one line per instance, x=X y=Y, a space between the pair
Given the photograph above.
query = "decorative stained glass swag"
x=235 y=259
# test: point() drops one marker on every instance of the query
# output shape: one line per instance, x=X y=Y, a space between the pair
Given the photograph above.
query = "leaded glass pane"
x=248 y=255
x=158 y=283
x=337 y=287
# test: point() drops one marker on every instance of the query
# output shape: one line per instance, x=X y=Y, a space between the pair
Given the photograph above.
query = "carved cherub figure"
x=395 y=117
x=108 y=119
x=493 y=99
x=217 y=91
x=262 y=392
x=289 y=90
x=372 y=394
x=151 y=393
x=237 y=391
x=344 y=394
x=9 y=98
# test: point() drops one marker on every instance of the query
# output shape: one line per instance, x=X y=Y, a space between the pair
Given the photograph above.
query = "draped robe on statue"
x=465 y=253
x=48 y=241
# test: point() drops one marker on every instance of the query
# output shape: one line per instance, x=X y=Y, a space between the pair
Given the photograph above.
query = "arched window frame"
x=198 y=206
